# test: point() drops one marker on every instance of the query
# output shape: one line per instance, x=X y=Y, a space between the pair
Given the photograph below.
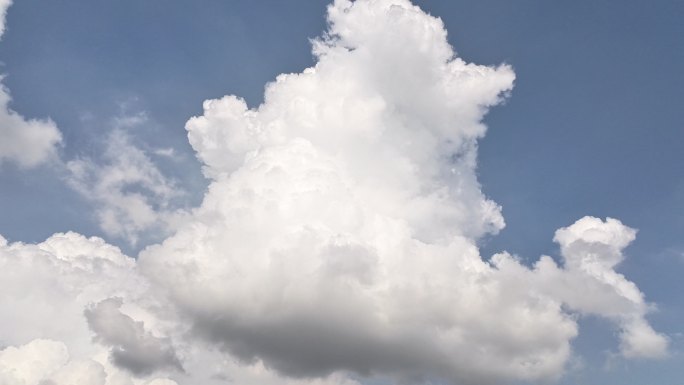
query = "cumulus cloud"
x=4 y=4
x=339 y=230
x=58 y=276
x=131 y=195
x=134 y=348
x=44 y=335
x=76 y=311
x=337 y=240
x=26 y=142
x=591 y=248
x=46 y=362
x=31 y=363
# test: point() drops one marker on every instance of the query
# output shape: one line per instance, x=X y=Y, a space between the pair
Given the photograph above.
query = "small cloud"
x=4 y=5
x=26 y=142
x=168 y=152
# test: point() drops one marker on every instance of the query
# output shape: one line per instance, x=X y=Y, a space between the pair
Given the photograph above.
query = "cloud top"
x=4 y=4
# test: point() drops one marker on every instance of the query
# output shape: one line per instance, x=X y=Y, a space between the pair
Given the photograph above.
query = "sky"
x=369 y=192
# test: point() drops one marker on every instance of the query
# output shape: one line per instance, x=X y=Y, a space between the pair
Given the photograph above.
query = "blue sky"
x=593 y=125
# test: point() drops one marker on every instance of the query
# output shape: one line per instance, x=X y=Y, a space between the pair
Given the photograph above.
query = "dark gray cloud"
x=318 y=346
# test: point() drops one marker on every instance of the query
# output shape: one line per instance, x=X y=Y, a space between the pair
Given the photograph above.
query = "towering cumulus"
x=339 y=230
x=336 y=243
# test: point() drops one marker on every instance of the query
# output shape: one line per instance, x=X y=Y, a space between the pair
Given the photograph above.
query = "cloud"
x=131 y=195
x=340 y=229
x=26 y=142
x=32 y=362
x=337 y=240
x=134 y=348
x=591 y=249
x=44 y=335
x=4 y=4
x=59 y=276
x=47 y=362
x=76 y=311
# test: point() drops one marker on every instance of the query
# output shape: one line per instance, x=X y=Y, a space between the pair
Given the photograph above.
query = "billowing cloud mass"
x=339 y=231
x=44 y=334
x=26 y=142
x=337 y=241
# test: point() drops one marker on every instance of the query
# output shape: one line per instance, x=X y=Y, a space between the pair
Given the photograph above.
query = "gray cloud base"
x=133 y=347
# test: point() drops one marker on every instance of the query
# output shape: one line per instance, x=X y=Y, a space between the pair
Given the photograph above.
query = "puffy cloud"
x=134 y=348
x=4 y=4
x=337 y=239
x=47 y=362
x=31 y=363
x=76 y=311
x=27 y=142
x=47 y=287
x=59 y=276
x=591 y=248
x=132 y=196
x=339 y=231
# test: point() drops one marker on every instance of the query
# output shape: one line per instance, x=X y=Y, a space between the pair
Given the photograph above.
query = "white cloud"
x=47 y=287
x=76 y=311
x=588 y=284
x=30 y=363
x=46 y=362
x=339 y=231
x=4 y=4
x=591 y=249
x=26 y=142
x=337 y=239
x=130 y=193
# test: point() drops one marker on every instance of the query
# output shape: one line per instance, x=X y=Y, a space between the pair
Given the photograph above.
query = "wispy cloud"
x=130 y=194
